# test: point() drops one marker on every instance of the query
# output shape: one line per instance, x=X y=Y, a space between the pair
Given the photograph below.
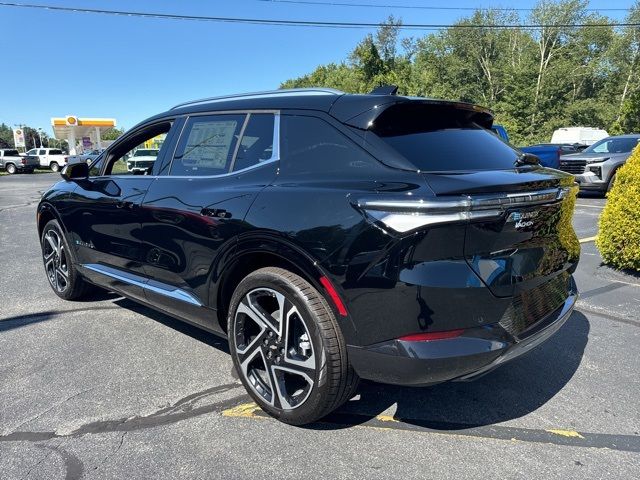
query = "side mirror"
x=75 y=171
x=528 y=159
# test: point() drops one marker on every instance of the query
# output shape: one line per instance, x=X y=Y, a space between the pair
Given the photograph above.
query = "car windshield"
x=146 y=153
x=613 y=145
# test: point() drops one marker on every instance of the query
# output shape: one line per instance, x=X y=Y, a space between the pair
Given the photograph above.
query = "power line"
x=301 y=23
x=421 y=7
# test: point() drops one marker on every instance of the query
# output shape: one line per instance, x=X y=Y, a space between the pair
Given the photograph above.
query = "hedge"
x=619 y=228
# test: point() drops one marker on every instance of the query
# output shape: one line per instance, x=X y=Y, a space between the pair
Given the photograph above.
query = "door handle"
x=215 y=212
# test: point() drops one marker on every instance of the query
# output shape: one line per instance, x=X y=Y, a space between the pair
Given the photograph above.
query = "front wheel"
x=287 y=347
x=63 y=277
x=54 y=167
x=611 y=183
x=11 y=168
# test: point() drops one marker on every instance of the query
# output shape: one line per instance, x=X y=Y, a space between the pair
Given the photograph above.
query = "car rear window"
x=442 y=138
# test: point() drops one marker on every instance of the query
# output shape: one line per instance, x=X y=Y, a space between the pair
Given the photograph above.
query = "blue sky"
x=131 y=68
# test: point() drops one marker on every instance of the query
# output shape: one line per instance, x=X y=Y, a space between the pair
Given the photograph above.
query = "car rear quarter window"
x=207 y=145
x=257 y=141
x=442 y=138
x=55 y=152
x=311 y=145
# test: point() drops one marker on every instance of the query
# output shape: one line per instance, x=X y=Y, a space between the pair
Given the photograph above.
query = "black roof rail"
x=269 y=93
x=385 y=90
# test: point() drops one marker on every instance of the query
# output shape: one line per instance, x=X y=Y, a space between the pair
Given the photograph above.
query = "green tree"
x=112 y=133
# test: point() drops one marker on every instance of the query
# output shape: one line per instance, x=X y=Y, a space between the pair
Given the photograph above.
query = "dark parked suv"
x=330 y=237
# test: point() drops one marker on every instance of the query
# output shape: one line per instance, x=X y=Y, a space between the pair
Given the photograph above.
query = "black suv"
x=330 y=237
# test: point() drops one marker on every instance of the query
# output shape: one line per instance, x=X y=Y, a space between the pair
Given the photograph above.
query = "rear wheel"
x=11 y=168
x=287 y=347
x=54 y=166
x=63 y=277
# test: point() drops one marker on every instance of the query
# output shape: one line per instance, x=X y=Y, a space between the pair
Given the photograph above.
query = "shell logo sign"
x=71 y=120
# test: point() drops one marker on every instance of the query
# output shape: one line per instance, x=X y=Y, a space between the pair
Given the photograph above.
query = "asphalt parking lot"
x=110 y=389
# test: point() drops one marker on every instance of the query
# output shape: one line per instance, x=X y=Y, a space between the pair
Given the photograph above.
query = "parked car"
x=88 y=156
x=52 y=158
x=12 y=161
x=548 y=154
x=595 y=168
x=578 y=135
x=142 y=160
x=329 y=236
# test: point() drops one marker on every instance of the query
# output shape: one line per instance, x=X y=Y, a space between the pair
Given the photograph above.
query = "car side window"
x=207 y=145
x=309 y=144
x=96 y=168
x=42 y=152
x=256 y=144
x=136 y=154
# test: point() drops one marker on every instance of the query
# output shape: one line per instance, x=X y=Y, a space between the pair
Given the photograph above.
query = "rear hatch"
x=519 y=238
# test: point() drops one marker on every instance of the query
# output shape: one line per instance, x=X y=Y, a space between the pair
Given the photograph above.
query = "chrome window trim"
x=275 y=154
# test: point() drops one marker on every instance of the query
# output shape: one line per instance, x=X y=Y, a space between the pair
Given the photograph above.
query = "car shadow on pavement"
x=185 y=328
x=511 y=391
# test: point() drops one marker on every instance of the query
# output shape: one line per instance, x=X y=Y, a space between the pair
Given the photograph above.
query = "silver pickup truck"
x=12 y=162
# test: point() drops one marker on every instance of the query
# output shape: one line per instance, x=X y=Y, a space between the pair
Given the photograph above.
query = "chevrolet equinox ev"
x=330 y=237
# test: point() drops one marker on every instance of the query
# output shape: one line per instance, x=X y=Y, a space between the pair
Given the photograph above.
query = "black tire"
x=611 y=182
x=57 y=257
x=54 y=167
x=308 y=343
x=10 y=168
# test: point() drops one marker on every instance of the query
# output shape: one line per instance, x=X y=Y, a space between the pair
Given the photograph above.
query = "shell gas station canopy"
x=86 y=130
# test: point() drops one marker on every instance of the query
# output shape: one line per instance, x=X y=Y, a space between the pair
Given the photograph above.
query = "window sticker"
x=209 y=144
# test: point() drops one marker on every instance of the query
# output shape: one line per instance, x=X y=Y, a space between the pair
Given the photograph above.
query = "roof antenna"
x=385 y=90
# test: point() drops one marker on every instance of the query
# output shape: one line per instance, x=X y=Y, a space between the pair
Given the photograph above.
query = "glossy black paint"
x=195 y=234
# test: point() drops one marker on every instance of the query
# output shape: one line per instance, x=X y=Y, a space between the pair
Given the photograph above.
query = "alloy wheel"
x=55 y=260
x=274 y=348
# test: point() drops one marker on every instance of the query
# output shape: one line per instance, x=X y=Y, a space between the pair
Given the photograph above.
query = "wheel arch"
x=261 y=251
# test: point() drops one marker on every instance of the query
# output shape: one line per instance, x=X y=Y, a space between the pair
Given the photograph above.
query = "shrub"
x=619 y=230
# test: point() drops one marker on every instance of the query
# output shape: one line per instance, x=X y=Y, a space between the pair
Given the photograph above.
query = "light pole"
x=40 y=135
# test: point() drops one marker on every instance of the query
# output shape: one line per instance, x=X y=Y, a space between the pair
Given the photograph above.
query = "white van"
x=582 y=135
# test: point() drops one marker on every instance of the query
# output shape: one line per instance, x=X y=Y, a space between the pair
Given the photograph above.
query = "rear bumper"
x=25 y=168
x=476 y=352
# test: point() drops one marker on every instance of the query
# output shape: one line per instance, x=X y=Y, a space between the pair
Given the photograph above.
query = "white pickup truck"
x=52 y=158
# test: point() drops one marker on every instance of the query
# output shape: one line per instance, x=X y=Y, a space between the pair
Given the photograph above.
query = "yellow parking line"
x=566 y=433
x=386 y=418
x=246 y=410
x=589 y=206
x=588 y=239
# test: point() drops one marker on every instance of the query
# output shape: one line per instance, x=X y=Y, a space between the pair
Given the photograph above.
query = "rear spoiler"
x=472 y=113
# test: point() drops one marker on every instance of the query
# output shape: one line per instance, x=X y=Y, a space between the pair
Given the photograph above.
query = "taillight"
x=405 y=213
x=23 y=161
